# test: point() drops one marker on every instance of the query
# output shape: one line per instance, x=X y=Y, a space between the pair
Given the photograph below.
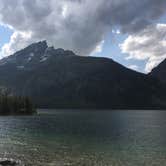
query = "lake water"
x=77 y=138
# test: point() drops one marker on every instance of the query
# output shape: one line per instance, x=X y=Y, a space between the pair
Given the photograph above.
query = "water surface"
x=84 y=138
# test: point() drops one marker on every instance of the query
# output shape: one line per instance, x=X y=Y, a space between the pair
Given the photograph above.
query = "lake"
x=84 y=138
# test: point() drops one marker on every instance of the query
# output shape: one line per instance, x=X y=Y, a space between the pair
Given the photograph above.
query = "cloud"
x=18 y=40
x=79 y=25
x=117 y=32
x=99 y=48
x=133 y=67
x=149 y=44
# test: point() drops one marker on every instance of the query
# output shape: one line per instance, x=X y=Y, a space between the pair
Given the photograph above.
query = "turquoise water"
x=77 y=138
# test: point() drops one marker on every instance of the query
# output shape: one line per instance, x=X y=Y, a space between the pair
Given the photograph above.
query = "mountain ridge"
x=58 y=78
x=160 y=72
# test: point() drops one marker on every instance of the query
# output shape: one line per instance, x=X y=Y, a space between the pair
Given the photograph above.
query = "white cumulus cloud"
x=149 y=44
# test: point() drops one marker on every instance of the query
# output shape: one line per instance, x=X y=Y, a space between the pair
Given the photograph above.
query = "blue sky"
x=112 y=50
x=5 y=34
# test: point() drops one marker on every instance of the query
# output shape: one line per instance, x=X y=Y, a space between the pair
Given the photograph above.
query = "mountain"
x=160 y=72
x=57 y=78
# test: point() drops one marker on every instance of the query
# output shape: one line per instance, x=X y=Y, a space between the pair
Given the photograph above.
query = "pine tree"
x=14 y=105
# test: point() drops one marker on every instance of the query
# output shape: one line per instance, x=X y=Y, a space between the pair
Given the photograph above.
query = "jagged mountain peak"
x=35 y=47
x=34 y=54
x=38 y=44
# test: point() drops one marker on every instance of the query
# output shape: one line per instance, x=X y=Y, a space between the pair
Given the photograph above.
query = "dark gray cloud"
x=79 y=25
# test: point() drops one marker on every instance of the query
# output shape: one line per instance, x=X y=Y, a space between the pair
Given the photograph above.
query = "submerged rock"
x=8 y=163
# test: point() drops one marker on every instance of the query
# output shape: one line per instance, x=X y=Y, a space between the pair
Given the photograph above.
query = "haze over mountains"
x=58 y=78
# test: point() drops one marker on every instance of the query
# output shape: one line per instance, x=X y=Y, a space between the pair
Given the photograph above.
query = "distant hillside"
x=58 y=78
x=160 y=72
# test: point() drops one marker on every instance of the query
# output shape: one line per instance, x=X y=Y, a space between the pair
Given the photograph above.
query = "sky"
x=131 y=32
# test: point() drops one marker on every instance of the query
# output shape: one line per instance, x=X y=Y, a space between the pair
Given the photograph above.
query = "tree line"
x=15 y=105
